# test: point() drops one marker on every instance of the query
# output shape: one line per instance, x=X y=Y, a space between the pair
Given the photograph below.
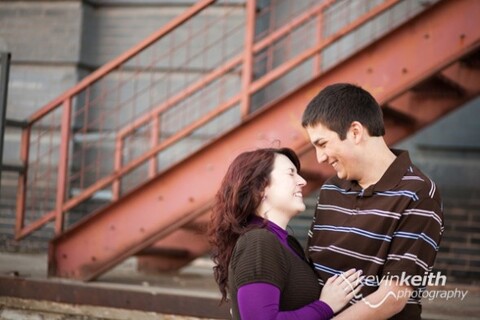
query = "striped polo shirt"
x=390 y=228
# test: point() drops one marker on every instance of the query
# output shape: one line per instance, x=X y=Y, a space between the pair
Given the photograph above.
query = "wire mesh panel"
x=331 y=30
x=43 y=159
x=343 y=13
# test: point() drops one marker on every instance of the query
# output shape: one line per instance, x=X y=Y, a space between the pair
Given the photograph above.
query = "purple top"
x=261 y=298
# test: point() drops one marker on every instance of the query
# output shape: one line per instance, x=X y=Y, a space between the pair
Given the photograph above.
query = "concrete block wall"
x=47 y=31
x=43 y=38
x=459 y=255
x=449 y=152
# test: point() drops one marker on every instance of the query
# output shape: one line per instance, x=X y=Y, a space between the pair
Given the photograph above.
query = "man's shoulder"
x=422 y=190
x=417 y=181
x=413 y=179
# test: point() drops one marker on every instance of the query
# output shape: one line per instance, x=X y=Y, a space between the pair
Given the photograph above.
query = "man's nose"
x=321 y=156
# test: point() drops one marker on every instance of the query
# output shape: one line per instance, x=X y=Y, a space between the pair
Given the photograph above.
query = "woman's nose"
x=301 y=182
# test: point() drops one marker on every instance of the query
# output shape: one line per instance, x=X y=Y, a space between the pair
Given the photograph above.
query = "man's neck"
x=376 y=162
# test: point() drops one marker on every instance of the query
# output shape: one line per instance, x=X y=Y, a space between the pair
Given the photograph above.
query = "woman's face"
x=284 y=193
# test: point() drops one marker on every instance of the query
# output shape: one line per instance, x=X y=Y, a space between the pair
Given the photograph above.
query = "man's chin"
x=340 y=175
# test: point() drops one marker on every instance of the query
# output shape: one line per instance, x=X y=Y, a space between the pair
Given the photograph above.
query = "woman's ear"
x=264 y=194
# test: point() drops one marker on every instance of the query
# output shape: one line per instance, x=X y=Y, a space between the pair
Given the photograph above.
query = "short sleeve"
x=258 y=257
x=416 y=241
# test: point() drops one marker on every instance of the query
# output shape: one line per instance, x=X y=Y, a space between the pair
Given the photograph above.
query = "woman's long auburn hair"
x=236 y=203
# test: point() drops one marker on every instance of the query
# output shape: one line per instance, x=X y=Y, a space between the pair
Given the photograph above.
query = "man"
x=379 y=213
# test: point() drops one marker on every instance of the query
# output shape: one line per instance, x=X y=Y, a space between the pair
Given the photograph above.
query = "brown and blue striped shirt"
x=390 y=228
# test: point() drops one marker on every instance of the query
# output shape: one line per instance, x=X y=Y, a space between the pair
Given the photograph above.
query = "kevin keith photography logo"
x=430 y=280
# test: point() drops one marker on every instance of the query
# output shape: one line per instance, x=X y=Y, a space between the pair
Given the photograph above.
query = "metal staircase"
x=152 y=152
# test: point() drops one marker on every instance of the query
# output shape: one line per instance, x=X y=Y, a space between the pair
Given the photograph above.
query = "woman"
x=264 y=269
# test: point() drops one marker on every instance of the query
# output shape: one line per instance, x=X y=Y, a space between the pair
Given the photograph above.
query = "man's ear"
x=357 y=131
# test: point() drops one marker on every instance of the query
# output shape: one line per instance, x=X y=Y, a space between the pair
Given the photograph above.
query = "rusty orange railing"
x=197 y=77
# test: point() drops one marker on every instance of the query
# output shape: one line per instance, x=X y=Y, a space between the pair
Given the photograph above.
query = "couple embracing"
x=379 y=217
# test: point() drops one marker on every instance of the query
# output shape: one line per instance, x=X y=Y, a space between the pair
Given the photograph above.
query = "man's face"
x=330 y=149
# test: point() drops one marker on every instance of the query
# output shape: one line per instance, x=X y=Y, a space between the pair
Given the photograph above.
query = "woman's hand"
x=340 y=289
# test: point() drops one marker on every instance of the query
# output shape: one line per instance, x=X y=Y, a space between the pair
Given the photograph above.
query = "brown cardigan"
x=260 y=257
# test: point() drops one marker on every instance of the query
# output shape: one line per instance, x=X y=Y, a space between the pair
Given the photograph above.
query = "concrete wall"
x=44 y=40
